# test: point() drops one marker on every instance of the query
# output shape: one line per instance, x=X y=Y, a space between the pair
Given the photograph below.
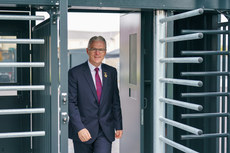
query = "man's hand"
x=118 y=134
x=84 y=135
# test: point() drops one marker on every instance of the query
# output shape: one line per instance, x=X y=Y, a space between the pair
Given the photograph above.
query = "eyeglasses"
x=97 y=49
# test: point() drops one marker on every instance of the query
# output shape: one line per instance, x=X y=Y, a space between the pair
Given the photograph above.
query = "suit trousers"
x=100 y=145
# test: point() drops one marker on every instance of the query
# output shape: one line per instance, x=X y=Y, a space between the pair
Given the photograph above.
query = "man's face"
x=96 y=52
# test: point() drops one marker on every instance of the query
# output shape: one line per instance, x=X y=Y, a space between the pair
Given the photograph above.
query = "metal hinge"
x=65 y=117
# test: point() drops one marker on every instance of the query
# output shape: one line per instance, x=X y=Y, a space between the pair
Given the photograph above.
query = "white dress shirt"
x=93 y=72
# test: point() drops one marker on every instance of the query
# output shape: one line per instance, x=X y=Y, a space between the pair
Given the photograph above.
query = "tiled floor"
x=115 y=148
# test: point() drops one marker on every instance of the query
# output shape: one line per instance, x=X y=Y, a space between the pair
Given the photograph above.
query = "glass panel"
x=8 y=54
x=133 y=59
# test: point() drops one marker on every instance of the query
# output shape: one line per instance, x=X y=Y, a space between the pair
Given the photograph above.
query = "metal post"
x=182 y=104
x=182 y=82
x=169 y=87
x=181 y=126
x=222 y=88
x=63 y=75
x=159 y=88
x=228 y=90
x=55 y=83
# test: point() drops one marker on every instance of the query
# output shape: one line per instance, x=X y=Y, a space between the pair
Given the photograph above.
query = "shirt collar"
x=92 y=67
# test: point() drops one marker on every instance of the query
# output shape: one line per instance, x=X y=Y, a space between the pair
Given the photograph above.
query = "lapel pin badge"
x=105 y=75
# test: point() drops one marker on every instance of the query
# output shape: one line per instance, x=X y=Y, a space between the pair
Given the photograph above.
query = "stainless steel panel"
x=130 y=85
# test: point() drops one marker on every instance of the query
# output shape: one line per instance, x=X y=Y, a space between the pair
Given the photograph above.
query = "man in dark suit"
x=94 y=102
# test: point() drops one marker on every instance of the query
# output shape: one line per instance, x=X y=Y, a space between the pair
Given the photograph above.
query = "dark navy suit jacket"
x=84 y=110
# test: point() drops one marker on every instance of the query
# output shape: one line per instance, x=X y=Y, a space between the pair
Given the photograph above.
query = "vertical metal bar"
x=63 y=74
x=223 y=89
x=54 y=69
x=228 y=97
x=218 y=88
x=31 y=80
x=169 y=87
x=159 y=88
x=205 y=123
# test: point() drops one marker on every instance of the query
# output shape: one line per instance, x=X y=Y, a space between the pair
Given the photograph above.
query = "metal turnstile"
x=7 y=113
x=193 y=135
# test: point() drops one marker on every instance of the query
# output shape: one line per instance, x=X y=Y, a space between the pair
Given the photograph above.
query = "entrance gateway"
x=163 y=84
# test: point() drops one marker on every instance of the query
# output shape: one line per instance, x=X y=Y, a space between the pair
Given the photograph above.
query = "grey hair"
x=96 y=38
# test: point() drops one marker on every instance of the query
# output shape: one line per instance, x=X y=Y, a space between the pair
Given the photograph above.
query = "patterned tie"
x=98 y=85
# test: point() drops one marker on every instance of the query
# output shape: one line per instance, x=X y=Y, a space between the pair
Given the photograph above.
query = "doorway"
x=83 y=26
